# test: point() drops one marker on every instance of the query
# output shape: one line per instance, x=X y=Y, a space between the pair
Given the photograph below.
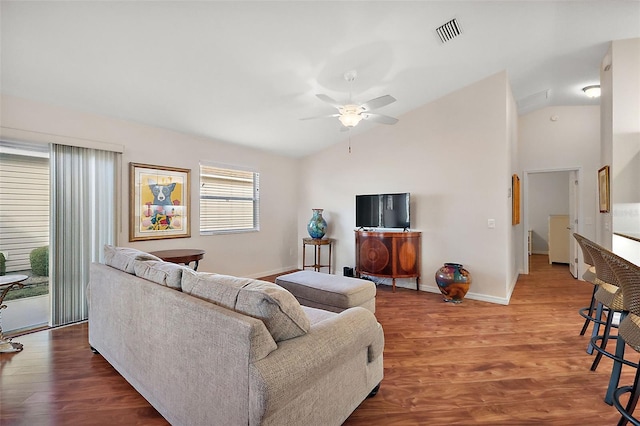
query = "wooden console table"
x=389 y=255
x=185 y=256
x=317 y=258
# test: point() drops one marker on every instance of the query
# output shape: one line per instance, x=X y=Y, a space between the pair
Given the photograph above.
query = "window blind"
x=82 y=220
x=229 y=200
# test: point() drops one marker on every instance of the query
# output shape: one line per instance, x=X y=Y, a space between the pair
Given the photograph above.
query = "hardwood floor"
x=475 y=363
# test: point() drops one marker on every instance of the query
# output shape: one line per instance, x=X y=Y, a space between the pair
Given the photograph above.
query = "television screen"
x=367 y=211
x=383 y=211
x=395 y=210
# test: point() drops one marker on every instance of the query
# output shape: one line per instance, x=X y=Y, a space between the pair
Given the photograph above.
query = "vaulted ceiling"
x=246 y=72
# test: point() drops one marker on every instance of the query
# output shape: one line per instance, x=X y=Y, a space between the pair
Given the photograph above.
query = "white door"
x=559 y=243
x=573 y=223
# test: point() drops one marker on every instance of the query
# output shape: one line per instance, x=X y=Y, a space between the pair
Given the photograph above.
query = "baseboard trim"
x=471 y=295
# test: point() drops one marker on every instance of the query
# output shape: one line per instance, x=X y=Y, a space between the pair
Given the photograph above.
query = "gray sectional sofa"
x=207 y=349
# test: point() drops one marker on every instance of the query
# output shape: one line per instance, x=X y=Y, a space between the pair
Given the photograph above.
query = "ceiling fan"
x=350 y=114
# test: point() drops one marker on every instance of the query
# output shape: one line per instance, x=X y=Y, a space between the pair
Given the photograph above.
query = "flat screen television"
x=383 y=211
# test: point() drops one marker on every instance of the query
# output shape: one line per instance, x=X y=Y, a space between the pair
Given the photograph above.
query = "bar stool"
x=608 y=294
x=628 y=275
x=587 y=312
x=611 y=296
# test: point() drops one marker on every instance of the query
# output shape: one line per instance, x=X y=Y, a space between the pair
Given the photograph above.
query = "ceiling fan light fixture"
x=592 y=91
x=350 y=115
x=350 y=119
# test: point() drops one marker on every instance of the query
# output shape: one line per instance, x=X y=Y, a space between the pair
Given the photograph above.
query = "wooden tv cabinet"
x=389 y=255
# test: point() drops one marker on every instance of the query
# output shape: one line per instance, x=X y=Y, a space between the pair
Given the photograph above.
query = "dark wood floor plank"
x=475 y=363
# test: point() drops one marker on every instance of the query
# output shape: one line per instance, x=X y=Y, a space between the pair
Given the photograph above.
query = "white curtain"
x=83 y=216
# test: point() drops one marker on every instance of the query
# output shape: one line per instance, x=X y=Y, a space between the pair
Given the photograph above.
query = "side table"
x=317 y=243
x=185 y=256
x=7 y=282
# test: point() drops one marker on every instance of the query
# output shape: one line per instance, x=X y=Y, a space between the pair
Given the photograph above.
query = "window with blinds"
x=229 y=200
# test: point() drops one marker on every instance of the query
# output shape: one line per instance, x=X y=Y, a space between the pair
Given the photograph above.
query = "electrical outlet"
x=491 y=223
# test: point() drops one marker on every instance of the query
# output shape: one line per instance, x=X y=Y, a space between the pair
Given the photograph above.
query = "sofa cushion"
x=220 y=289
x=317 y=315
x=276 y=307
x=159 y=272
x=123 y=258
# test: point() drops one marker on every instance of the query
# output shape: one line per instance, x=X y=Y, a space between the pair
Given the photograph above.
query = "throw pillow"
x=123 y=258
x=219 y=289
x=276 y=307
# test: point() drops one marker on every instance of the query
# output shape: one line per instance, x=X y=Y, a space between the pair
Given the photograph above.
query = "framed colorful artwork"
x=603 y=189
x=158 y=202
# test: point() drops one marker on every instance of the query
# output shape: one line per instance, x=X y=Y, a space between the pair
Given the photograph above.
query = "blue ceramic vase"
x=453 y=281
x=317 y=226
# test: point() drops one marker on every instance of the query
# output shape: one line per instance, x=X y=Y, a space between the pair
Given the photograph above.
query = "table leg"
x=317 y=258
x=304 y=255
x=6 y=345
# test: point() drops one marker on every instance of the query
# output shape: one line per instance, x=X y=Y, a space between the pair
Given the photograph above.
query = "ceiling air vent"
x=448 y=31
x=536 y=100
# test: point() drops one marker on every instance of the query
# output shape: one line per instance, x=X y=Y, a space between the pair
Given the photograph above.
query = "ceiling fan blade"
x=378 y=102
x=321 y=116
x=379 y=118
x=328 y=100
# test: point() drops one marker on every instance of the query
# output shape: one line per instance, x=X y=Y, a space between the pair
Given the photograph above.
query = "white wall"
x=515 y=248
x=625 y=146
x=603 y=222
x=625 y=172
x=268 y=251
x=548 y=195
x=570 y=142
x=453 y=156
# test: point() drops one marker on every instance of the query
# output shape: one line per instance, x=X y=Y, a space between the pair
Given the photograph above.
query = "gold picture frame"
x=603 y=190
x=515 y=199
x=159 y=204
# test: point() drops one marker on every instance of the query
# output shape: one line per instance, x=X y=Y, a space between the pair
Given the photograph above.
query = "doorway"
x=549 y=195
x=24 y=233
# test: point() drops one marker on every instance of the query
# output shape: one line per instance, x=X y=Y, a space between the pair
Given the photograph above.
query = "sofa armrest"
x=299 y=362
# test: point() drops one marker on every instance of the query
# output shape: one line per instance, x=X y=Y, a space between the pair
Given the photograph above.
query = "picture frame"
x=515 y=200
x=159 y=202
x=603 y=190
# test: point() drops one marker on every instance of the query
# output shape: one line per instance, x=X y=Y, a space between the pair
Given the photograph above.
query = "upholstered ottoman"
x=329 y=292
